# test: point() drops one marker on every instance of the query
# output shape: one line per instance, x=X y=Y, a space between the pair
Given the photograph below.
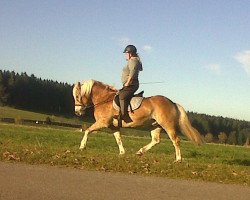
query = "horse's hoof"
x=139 y=153
x=82 y=148
x=177 y=161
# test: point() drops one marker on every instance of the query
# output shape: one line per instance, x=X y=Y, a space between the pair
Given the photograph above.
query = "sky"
x=198 y=49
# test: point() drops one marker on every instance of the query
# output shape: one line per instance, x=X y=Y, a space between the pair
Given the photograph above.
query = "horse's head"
x=81 y=94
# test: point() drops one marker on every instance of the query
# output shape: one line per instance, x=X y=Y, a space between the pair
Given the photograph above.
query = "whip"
x=155 y=82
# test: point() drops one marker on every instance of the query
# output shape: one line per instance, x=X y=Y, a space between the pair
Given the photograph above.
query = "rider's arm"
x=128 y=81
x=133 y=71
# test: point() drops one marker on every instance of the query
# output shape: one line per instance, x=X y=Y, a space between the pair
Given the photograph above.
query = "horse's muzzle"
x=79 y=111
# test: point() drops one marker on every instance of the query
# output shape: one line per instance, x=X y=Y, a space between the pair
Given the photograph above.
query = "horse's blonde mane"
x=86 y=88
x=109 y=87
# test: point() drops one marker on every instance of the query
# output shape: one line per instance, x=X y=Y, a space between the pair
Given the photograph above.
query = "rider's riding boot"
x=119 y=120
x=124 y=111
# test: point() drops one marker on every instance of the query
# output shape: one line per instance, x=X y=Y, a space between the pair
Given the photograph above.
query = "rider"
x=129 y=80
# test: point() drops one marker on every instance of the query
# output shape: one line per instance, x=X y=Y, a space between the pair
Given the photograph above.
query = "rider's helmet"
x=130 y=49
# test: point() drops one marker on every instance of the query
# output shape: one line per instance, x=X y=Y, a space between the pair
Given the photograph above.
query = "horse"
x=158 y=112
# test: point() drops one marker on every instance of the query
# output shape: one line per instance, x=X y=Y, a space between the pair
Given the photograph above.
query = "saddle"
x=135 y=102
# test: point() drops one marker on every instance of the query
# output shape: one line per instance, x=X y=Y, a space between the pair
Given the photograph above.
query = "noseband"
x=83 y=106
x=79 y=105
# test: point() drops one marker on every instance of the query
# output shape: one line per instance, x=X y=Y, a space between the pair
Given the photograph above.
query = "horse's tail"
x=187 y=128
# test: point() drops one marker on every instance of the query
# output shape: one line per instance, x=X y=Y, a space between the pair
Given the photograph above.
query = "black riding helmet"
x=130 y=49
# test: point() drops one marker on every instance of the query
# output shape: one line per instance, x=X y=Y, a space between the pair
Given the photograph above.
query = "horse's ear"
x=78 y=84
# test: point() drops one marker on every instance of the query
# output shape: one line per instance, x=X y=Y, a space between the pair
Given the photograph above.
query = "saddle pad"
x=135 y=103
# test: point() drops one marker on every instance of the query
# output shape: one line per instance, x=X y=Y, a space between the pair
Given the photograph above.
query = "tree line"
x=31 y=93
x=47 y=96
x=220 y=129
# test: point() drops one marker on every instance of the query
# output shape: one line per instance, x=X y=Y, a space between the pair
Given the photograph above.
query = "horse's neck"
x=101 y=93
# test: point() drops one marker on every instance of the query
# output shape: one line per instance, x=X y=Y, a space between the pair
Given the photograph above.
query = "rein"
x=94 y=105
x=100 y=103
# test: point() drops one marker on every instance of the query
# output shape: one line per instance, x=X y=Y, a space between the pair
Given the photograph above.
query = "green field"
x=7 y=112
x=53 y=145
x=59 y=146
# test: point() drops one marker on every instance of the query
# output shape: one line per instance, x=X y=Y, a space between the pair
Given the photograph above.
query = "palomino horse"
x=157 y=111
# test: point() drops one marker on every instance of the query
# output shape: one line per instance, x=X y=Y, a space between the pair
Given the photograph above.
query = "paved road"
x=24 y=182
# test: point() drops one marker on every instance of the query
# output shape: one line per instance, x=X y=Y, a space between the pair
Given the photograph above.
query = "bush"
x=222 y=138
x=18 y=120
x=48 y=120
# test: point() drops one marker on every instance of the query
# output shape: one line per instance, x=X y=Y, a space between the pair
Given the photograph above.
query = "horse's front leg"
x=93 y=127
x=84 y=139
x=119 y=142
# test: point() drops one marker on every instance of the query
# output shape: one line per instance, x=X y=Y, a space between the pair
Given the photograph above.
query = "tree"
x=10 y=87
x=3 y=96
x=209 y=137
x=240 y=138
x=247 y=142
x=246 y=133
x=222 y=137
x=232 y=138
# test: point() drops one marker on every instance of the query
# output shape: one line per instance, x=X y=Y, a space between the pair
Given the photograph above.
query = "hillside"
x=8 y=112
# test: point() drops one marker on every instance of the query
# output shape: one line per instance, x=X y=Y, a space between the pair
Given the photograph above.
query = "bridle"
x=80 y=104
x=84 y=107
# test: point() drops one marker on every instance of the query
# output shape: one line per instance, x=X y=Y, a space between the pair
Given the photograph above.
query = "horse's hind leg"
x=175 y=140
x=155 y=135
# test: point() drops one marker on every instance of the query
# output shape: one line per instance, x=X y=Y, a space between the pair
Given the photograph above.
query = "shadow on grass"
x=244 y=162
x=194 y=154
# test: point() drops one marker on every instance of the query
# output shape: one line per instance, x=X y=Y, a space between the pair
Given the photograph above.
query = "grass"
x=8 y=112
x=59 y=146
